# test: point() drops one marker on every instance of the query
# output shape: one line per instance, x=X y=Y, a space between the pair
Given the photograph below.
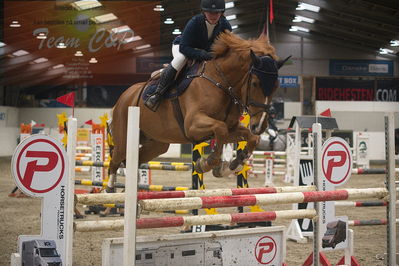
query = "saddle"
x=178 y=87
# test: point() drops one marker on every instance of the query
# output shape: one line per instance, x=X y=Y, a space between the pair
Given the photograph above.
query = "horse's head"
x=263 y=83
x=256 y=60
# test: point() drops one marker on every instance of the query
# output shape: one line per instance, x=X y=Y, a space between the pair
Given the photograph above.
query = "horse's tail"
x=110 y=140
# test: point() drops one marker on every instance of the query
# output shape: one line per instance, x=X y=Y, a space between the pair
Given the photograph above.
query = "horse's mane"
x=241 y=47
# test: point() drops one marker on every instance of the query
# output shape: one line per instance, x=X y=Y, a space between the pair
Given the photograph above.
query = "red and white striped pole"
x=100 y=198
x=159 y=222
x=262 y=199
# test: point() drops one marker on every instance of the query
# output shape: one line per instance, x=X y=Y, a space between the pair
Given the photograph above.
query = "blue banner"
x=361 y=67
x=289 y=81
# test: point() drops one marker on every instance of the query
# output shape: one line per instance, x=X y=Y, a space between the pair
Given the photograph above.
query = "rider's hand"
x=205 y=56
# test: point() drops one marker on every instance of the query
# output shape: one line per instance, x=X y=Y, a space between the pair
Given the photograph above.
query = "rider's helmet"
x=213 y=5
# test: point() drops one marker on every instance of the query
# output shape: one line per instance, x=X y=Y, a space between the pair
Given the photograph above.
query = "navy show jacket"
x=195 y=36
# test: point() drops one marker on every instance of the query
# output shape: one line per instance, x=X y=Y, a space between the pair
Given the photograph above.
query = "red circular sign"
x=336 y=161
x=39 y=164
x=265 y=250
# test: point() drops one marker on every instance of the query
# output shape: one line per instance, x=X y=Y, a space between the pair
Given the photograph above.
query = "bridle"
x=229 y=90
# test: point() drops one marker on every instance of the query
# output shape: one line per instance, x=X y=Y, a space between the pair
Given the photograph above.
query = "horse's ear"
x=255 y=59
x=280 y=63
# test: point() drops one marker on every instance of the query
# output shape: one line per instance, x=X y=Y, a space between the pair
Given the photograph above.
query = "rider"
x=194 y=43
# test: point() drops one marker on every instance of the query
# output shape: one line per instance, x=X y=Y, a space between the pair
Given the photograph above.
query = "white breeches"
x=179 y=59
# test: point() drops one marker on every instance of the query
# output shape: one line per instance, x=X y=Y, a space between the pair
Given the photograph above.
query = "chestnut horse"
x=241 y=78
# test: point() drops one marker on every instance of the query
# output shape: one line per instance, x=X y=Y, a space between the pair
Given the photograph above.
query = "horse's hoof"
x=217 y=172
x=222 y=170
x=197 y=167
x=110 y=190
x=234 y=164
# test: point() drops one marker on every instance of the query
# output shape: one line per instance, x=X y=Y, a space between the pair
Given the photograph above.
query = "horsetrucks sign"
x=336 y=169
x=39 y=168
x=336 y=160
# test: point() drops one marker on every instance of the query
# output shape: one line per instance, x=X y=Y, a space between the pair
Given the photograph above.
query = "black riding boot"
x=167 y=76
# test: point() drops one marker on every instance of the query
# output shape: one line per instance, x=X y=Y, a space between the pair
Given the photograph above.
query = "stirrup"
x=153 y=106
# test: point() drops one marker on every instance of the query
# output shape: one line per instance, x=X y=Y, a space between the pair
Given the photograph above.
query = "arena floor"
x=22 y=216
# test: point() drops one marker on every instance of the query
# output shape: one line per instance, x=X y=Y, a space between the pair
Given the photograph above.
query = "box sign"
x=361 y=68
x=330 y=89
x=288 y=81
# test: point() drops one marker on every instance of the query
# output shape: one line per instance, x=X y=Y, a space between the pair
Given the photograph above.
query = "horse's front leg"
x=206 y=126
x=242 y=134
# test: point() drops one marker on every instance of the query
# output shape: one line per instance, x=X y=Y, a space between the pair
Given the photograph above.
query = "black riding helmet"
x=213 y=5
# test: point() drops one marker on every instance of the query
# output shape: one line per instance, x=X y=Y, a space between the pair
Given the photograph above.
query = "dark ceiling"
x=366 y=25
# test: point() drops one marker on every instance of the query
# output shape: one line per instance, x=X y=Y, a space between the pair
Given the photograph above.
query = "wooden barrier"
x=146 y=223
x=165 y=167
x=371 y=171
x=369 y=222
x=362 y=203
x=87 y=182
x=261 y=199
x=101 y=198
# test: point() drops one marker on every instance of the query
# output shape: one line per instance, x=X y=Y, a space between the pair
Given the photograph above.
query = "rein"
x=230 y=89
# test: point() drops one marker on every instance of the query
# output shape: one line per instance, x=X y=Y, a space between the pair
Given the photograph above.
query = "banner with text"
x=329 y=89
x=361 y=68
x=387 y=90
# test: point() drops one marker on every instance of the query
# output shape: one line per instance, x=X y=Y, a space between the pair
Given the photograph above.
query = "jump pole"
x=391 y=186
x=71 y=151
x=101 y=198
x=132 y=155
x=260 y=199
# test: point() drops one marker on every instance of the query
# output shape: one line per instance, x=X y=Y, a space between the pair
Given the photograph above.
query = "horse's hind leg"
x=150 y=149
x=118 y=156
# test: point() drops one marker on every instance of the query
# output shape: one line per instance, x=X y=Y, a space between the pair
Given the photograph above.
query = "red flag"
x=271 y=13
x=67 y=99
x=89 y=122
x=326 y=113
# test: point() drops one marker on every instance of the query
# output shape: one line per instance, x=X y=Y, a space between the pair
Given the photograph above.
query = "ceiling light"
x=394 y=43
x=20 y=53
x=229 y=5
x=86 y=4
x=386 y=51
x=168 y=21
x=304 y=6
x=2 y=44
x=233 y=27
x=176 y=32
x=231 y=17
x=143 y=46
x=303 y=19
x=58 y=66
x=78 y=53
x=41 y=36
x=40 y=60
x=93 y=60
x=296 y=28
x=15 y=24
x=104 y=18
x=158 y=8
x=132 y=39
x=121 y=29
x=61 y=45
